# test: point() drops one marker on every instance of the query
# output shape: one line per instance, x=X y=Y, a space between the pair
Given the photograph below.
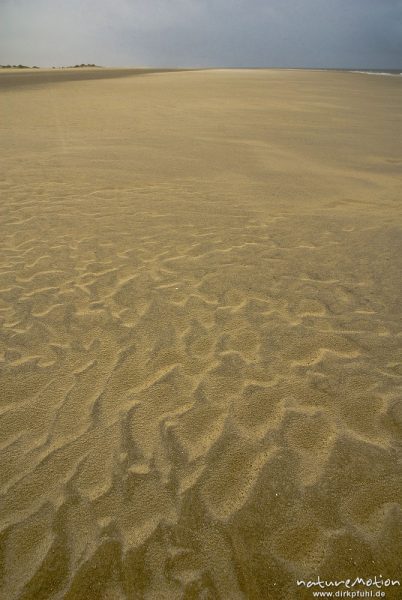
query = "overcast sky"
x=289 y=33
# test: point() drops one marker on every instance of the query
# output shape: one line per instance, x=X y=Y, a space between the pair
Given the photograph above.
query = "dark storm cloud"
x=310 y=33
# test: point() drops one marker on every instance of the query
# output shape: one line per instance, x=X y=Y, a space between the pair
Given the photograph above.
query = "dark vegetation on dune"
x=17 y=67
x=81 y=66
x=35 y=67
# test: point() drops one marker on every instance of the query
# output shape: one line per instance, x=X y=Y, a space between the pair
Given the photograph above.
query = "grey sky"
x=305 y=33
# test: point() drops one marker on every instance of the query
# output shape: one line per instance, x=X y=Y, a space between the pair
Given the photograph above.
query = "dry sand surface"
x=200 y=350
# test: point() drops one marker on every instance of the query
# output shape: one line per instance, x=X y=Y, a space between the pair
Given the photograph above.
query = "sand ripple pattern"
x=193 y=409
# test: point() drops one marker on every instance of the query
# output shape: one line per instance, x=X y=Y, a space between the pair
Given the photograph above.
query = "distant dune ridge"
x=200 y=305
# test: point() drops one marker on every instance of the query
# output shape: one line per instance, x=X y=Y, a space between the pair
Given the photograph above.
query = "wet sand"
x=200 y=308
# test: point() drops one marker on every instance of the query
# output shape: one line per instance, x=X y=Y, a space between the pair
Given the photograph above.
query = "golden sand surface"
x=200 y=308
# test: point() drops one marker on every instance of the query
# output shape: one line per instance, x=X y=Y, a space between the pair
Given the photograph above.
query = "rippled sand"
x=200 y=353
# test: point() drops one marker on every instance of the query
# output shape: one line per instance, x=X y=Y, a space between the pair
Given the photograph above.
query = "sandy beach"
x=200 y=317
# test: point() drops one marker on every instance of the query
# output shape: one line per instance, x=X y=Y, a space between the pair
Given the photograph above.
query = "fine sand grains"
x=200 y=352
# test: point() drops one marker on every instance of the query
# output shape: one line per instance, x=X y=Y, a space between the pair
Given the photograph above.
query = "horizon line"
x=198 y=67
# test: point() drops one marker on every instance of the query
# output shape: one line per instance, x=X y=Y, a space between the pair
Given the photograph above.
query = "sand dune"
x=200 y=351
